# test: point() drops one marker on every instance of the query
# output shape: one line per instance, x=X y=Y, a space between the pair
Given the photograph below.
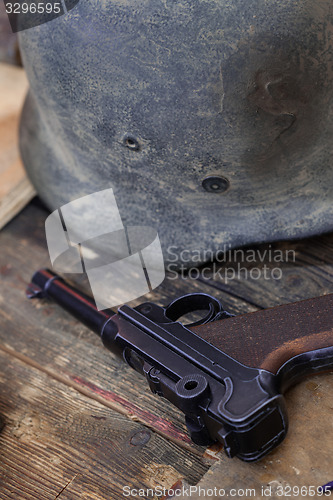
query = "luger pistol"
x=226 y=374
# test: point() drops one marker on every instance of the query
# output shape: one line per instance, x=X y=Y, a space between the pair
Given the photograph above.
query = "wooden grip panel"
x=268 y=338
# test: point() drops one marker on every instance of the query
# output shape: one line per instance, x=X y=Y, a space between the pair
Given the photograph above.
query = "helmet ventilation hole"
x=215 y=184
x=131 y=143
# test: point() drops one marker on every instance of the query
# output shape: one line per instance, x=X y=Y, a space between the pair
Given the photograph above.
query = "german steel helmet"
x=210 y=120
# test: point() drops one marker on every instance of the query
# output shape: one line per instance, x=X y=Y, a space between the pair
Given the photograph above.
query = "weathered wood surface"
x=47 y=354
x=15 y=189
x=306 y=268
x=58 y=443
x=74 y=352
x=66 y=356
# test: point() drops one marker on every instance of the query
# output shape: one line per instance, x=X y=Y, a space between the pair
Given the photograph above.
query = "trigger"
x=198 y=431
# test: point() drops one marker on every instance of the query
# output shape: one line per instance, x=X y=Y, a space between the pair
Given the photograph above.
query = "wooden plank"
x=50 y=337
x=47 y=339
x=57 y=443
x=15 y=189
x=64 y=350
x=305 y=271
x=57 y=344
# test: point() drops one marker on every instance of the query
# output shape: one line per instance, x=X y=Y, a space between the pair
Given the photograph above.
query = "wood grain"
x=69 y=358
x=66 y=355
x=56 y=443
x=15 y=189
x=62 y=346
x=306 y=271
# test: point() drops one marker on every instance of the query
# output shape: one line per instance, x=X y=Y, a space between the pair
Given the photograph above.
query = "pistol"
x=226 y=373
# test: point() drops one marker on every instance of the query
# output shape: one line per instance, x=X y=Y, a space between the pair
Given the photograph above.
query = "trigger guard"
x=196 y=302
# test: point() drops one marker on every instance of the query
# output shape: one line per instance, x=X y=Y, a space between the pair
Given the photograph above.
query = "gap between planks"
x=182 y=441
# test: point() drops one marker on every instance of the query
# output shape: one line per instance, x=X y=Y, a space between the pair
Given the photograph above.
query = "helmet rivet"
x=131 y=143
x=215 y=184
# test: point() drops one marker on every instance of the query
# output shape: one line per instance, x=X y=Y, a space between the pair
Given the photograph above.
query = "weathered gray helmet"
x=211 y=120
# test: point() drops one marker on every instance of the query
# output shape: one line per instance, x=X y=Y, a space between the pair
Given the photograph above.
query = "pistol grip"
x=279 y=338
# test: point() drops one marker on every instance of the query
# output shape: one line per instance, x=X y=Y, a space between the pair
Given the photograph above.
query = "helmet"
x=211 y=120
